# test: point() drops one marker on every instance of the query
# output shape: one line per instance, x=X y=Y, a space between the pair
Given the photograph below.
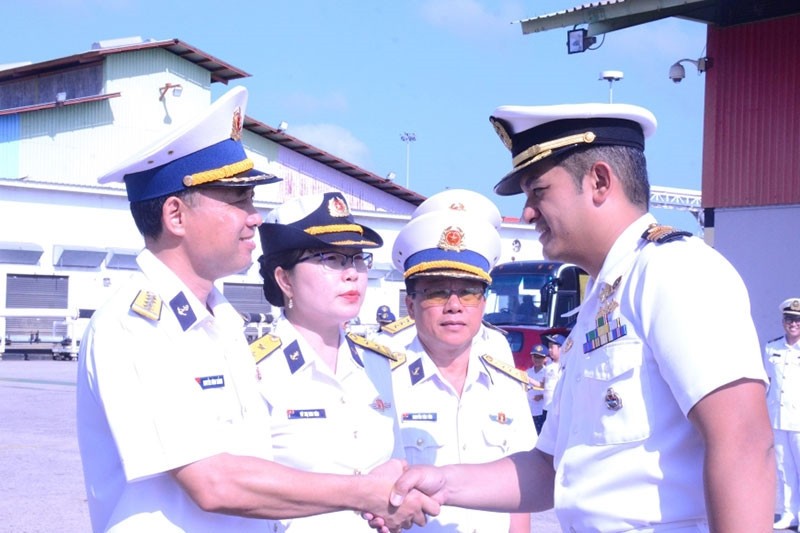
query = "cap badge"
x=501 y=131
x=457 y=206
x=795 y=305
x=337 y=207
x=452 y=239
x=238 y=124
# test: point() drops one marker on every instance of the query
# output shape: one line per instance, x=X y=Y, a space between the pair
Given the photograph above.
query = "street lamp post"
x=611 y=76
x=408 y=138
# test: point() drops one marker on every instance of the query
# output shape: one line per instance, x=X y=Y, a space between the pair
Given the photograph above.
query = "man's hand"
x=413 y=508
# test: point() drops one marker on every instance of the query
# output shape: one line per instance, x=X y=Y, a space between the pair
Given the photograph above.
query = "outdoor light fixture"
x=283 y=126
x=577 y=41
x=177 y=90
x=61 y=98
x=391 y=176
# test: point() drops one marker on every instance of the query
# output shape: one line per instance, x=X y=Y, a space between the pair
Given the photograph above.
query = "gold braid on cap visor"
x=542 y=150
x=216 y=174
x=334 y=228
x=443 y=264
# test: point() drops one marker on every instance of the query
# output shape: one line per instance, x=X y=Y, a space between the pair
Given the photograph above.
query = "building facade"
x=67 y=243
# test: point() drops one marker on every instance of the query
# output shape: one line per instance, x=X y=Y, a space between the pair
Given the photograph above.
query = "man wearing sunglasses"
x=782 y=361
x=460 y=398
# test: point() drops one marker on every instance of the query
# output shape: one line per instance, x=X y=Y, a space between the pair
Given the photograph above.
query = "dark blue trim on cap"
x=168 y=178
x=466 y=257
x=608 y=131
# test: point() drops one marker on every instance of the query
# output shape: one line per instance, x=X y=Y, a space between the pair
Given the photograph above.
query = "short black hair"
x=147 y=213
x=267 y=265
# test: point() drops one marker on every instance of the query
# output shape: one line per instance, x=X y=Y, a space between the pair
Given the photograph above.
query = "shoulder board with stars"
x=264 y=346
x=398 y=325
x=395 y=358
x=505 y=368
x=147 y=304
x=661 y=234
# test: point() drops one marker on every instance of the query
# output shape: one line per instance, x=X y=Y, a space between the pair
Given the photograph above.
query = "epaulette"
x=507 y=369
x=660 y=234
x=398 y=325
x=264 y=346
x=147 y=304
x=395 y=358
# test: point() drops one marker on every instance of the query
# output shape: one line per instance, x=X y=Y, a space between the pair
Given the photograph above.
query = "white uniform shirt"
x=342 y=423
x=626 y=456
x=782 y=362
x=156 y=394
x=491 y=419
x=552 y=373
x=533 y=403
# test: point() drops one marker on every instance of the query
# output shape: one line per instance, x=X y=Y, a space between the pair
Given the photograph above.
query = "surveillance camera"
x=677 y=72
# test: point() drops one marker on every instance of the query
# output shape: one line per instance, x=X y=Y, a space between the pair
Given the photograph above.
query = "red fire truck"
x=528 y=299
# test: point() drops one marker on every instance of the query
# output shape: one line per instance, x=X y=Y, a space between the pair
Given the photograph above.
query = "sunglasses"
x=791 y=318
x=435 y=296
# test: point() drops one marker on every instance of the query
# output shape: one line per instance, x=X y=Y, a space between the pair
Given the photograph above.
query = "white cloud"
x=335 y=140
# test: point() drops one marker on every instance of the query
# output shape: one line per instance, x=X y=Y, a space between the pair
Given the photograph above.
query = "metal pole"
x=408 y=138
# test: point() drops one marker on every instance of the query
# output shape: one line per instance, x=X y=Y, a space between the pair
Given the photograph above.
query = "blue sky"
x=351 y=76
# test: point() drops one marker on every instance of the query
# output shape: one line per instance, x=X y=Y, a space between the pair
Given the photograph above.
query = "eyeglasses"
x=337 y=262
x=790 y=318
x=433 y=296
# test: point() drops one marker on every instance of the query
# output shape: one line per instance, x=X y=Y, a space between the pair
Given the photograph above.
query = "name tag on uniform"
x=298 y=414
x=419 y=417
x=211 y=382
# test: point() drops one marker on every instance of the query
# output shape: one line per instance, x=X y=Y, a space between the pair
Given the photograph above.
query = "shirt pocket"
x=497 y=439
x=420 y=445
x=617 y=394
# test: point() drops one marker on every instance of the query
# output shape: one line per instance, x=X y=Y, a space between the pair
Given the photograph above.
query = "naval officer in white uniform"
x=460 y=398
x=659 y=421
x=782 y=361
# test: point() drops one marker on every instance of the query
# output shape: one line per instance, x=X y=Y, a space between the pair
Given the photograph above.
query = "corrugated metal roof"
x=609 y=15
x=296 y=145
x=220 y=70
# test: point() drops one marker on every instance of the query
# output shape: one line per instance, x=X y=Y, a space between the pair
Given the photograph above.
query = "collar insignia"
x=183 y=311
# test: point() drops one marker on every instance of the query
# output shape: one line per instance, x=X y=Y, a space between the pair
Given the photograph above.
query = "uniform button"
x=420 y=442
x=355 y=434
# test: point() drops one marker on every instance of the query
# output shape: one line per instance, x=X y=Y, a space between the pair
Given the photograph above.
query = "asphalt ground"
x=41 y=481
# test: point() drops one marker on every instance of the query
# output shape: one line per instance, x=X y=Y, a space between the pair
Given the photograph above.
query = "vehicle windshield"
x=519 y=298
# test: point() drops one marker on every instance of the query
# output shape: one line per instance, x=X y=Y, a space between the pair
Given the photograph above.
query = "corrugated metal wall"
x=752 y=124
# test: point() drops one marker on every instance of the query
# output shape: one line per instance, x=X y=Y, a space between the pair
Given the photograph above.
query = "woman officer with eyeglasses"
x=331 y=399
x=462 y=399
